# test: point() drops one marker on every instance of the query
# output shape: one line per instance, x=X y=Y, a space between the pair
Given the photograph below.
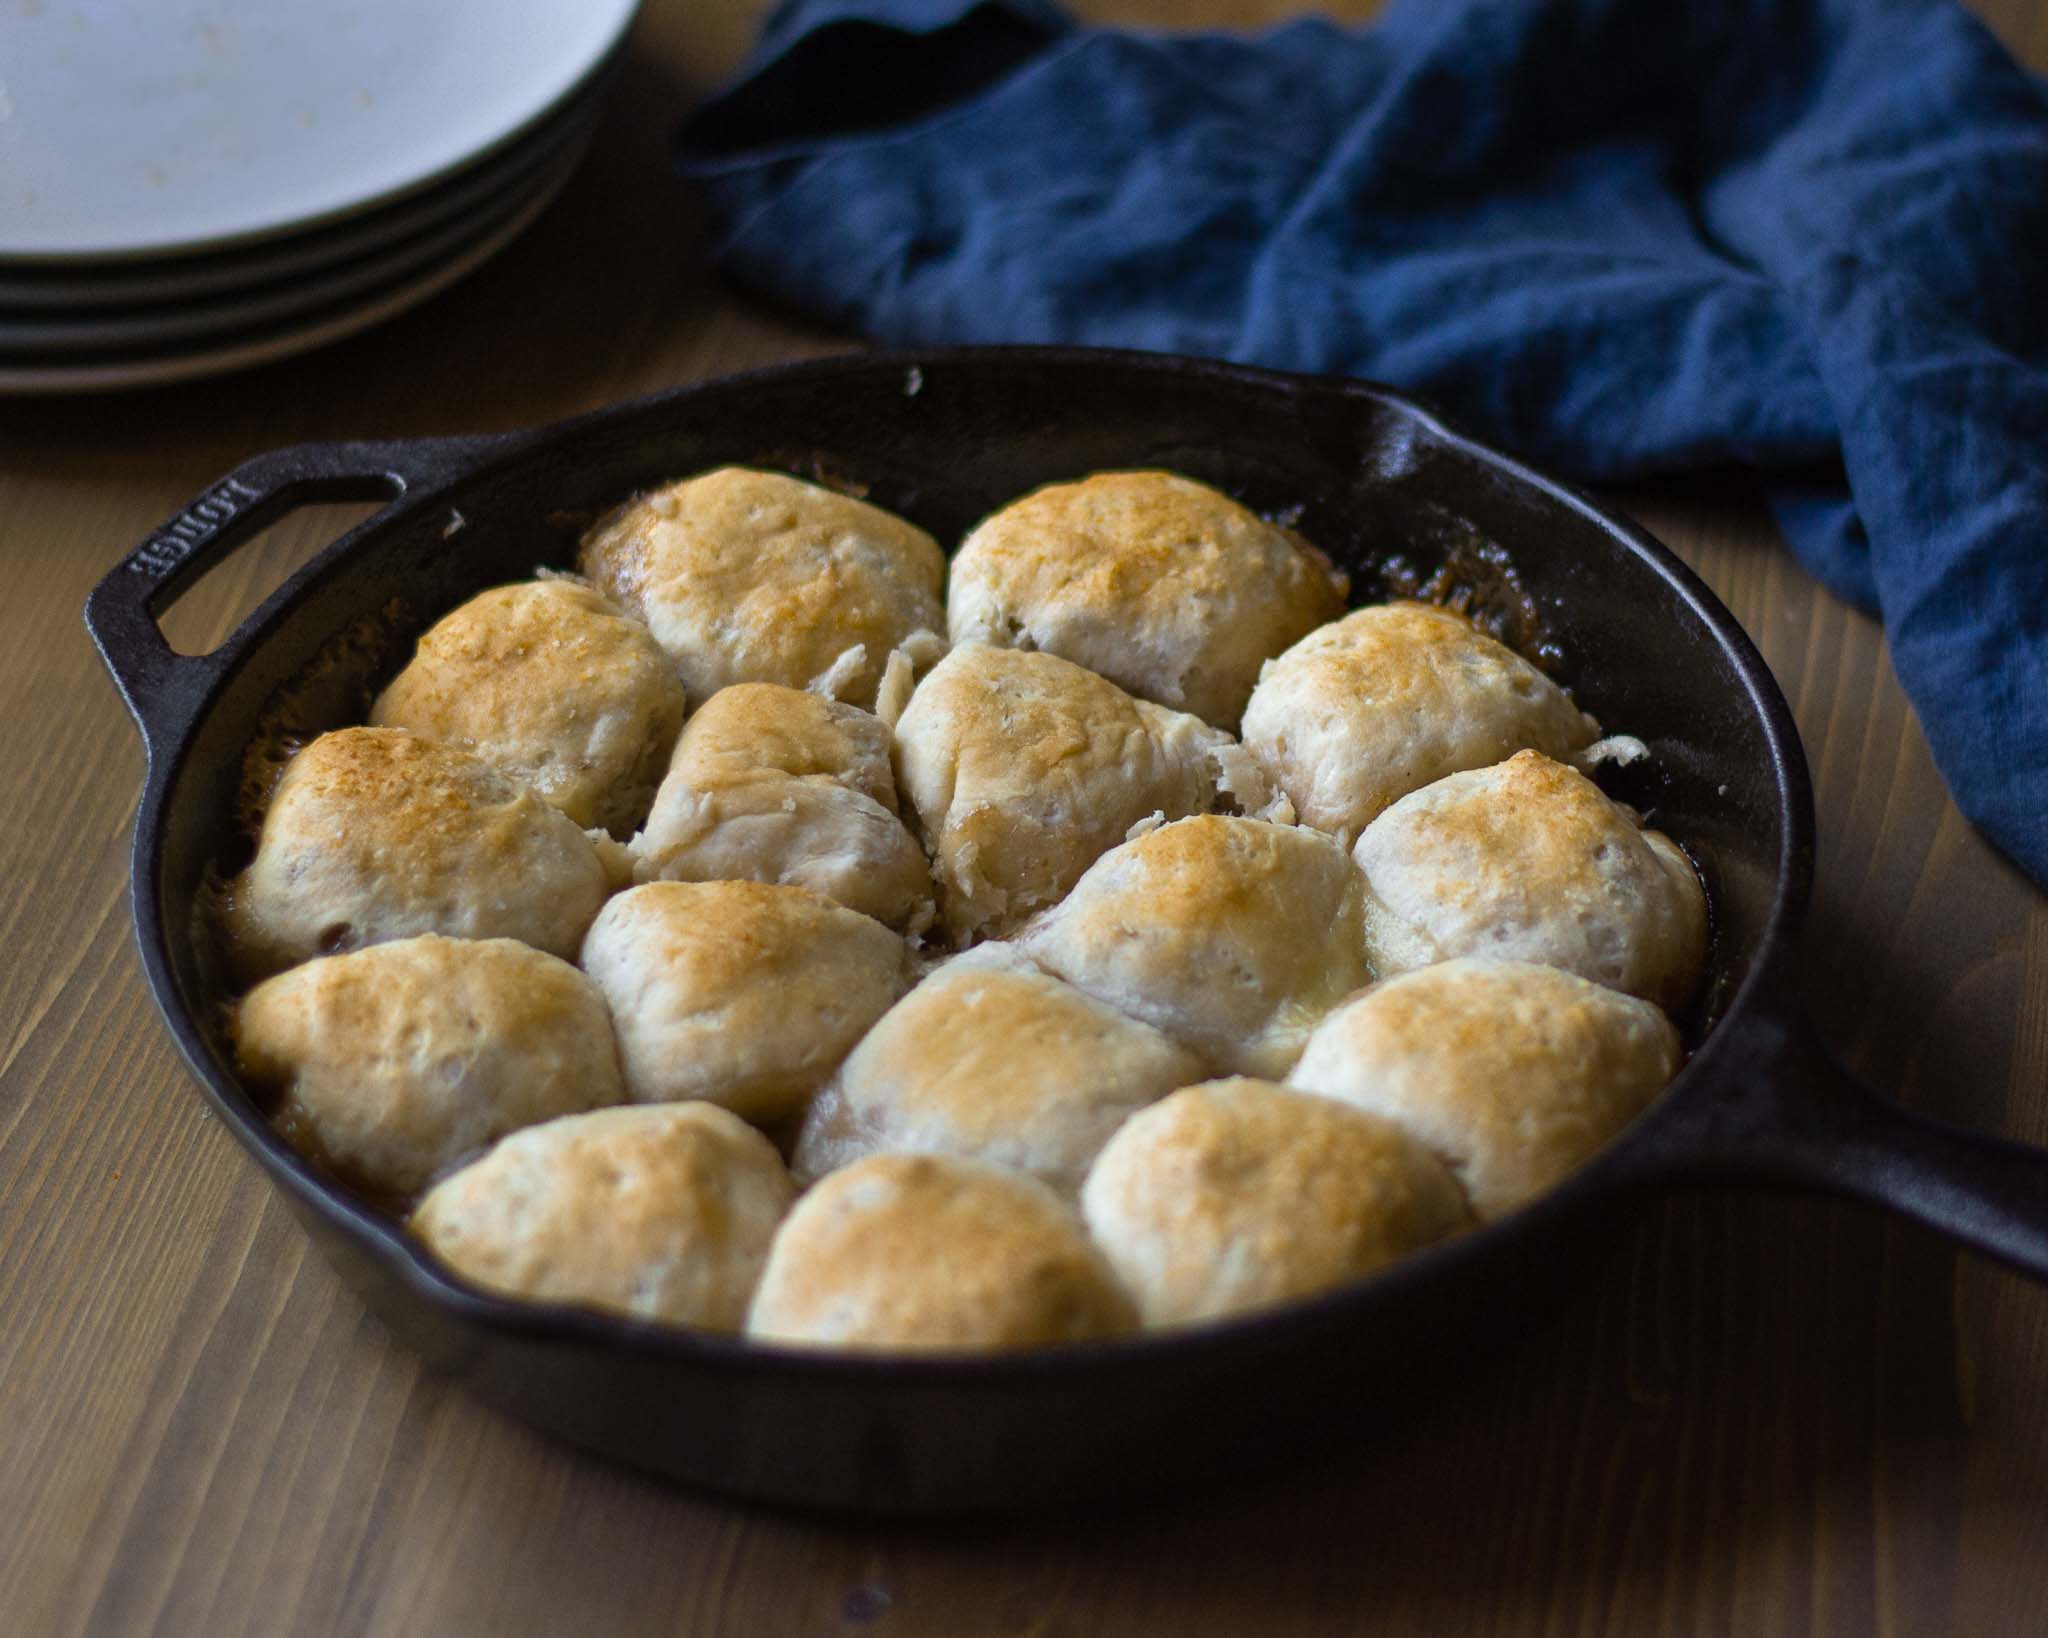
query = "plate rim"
x=209 y=276
x=109 y=257
x=270 y=303
x=270 y=346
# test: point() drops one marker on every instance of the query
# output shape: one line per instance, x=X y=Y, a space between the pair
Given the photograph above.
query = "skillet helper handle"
x=1808 y=1122
x=165 y=689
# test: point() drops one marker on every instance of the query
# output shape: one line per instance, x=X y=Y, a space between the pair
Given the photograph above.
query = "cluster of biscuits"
x=1114 y=932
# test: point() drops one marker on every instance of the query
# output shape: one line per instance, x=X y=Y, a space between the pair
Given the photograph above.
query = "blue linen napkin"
x=1804 y=236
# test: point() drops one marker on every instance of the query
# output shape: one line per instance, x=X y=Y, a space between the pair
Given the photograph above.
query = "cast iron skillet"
x=943 y=437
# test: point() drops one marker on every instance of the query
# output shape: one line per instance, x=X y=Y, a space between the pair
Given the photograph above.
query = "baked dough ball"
x=1023 y=768
x=554 y=687
x=663 y=1213
x=1238 y=1194
x=1388 y=699
x=1513 y=1074
x=1233 y=936
x=750 y=576
x=1530 y=861
x=754 y=728
x=394 y=1063
x=772 y=784
x=992 y=1059
x=810 y=833
x=744 y=994
x=1163 y=585
x=376 y=833
x=919 y=1252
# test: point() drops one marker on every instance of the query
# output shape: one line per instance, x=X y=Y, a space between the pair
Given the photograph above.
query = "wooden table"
x=1772 y=1416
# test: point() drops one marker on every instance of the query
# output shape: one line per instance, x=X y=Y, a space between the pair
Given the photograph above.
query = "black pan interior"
x=943 y=439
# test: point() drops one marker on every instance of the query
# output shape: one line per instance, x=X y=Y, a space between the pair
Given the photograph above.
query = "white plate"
x=261 y=348
x=158 y=127
x=40 y=336
x=70 y=290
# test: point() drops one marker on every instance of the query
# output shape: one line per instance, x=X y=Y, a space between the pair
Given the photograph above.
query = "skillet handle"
x=1793 y=1115
x=164 y=689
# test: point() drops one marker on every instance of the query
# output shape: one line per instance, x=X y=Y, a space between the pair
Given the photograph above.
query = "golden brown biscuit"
x=663 y=1213
x=811 y=832
x=754 y=728
x=907 y=1253
x=376 y=834
x=1236 y=1195
x=1233 y=936
x=991 y=1059
x=1387 y=700
x=1530 y=861
x=1511 y=1073
x=555 y=688
x=743 y=994
x=772 y=784
x=749 y=576
x=1163 y=585
x=395 y=1063
x=1023 y=768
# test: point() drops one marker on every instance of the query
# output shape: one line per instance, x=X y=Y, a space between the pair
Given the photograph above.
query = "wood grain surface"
x=1771 y=1416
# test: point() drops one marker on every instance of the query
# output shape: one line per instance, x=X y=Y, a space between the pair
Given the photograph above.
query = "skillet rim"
x=1635 y=1160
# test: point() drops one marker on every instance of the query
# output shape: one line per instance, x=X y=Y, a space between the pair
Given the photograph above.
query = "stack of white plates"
x=191 y=186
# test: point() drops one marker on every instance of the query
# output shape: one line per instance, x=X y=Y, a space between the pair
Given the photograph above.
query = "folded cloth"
x=1805 y=236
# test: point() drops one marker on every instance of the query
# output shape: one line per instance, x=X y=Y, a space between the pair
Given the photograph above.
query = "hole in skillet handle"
x=203 y=612
x=165 y=687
